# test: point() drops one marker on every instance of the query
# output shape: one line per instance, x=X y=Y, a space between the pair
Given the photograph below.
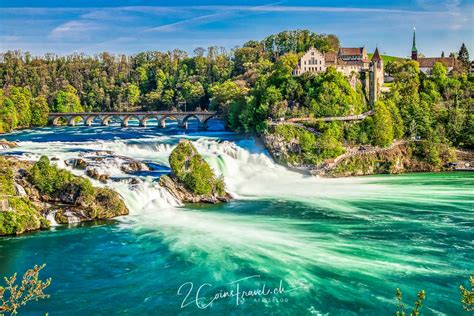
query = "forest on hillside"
x=248 y=85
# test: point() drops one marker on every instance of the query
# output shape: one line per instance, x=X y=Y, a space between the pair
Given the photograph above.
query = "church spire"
x=414 y=50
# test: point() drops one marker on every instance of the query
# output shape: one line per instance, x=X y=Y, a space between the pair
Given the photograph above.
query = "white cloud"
x=177 y=25
x=74 y=28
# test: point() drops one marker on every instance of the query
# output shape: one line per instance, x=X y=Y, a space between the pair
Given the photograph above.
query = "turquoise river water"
x=288 y=244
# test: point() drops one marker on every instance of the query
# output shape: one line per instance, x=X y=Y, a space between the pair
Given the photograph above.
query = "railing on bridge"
x=124 y=117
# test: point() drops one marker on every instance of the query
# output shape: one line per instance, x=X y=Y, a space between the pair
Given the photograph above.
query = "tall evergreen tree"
x=463 y=57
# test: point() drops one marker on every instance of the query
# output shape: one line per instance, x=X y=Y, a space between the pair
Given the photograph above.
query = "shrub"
x=31 y=288
x=52 y=181
x=193 y=171
x=6 y=178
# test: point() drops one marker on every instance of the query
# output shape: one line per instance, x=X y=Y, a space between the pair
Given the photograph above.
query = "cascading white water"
x=335 y=233
x=248 y=170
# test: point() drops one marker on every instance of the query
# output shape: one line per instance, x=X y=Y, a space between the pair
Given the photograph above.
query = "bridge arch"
x=106 y=119
x=162 y=121
x=184 y=123
x=145 y=118
x=57 y=120
x=126 y=119
x=72 y=119
x=205 y=121
x=88 y=120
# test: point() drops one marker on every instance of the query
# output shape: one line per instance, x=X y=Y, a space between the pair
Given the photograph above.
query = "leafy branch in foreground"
x=467 y=296
x=14 y=296
x=418 y=303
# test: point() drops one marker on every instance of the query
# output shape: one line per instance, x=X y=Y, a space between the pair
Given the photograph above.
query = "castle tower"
x=414 y=50
x=376 y=76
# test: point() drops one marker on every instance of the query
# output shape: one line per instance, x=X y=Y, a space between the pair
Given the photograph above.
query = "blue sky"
x=132 y=26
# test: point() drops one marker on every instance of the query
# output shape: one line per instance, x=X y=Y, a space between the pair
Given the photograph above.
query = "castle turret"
x=414 y=50
x=376 y=76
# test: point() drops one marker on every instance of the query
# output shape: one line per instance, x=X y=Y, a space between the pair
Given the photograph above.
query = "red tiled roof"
x=376 y=56
x=351 y=51
x=330 y=57
x=341 y=62
x=430 y=61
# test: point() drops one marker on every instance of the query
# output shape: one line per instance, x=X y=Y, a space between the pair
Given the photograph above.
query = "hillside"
x=387 y=58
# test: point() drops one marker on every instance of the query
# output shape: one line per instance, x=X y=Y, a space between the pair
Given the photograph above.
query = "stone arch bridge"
x=104 y=118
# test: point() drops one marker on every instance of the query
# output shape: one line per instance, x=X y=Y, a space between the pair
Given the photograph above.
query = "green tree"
x=329 y=144
x=39 y=111
x=224 y=93
x=67 y=101
x=21 y=98
x=382 y=134
x=192 y=92
x=133 y=94
x=463 y=57
x=8 y=117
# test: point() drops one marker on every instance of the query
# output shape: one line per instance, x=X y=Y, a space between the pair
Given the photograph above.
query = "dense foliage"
x=22 y=214
x=149 y=80
x=195 y=173
x=50 y=180
x=248 y=85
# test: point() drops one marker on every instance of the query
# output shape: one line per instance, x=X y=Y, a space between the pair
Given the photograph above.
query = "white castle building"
x=349 y=61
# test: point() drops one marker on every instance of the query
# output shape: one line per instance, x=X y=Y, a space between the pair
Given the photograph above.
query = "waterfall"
x=248 y=170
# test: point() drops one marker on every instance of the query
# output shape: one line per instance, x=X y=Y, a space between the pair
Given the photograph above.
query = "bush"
x=193 y=171
x=6 y=178
x=23 y=217
x=52 y=181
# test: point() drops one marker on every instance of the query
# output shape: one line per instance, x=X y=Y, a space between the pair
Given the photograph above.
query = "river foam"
x=344 y=237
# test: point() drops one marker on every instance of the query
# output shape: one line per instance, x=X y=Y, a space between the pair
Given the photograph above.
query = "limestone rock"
x=5 y=144
x=179 y=191
x=95 y=174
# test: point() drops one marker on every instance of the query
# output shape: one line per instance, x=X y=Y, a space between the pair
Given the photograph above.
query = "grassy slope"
x=386 y=58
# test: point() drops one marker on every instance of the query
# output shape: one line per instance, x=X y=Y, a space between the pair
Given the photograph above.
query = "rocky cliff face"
x=399 y=159
x=25 y=207
x=280 y=149
x=181 y=193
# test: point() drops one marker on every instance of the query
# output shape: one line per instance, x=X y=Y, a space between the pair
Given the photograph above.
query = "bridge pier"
x=202 y=125
x=88 y=120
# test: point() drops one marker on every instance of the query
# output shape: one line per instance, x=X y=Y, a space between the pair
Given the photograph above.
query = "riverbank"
x=401 y=156
x=280 y=226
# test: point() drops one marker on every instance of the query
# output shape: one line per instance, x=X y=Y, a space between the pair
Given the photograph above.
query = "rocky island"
x=192 y=179
x=32 y=192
